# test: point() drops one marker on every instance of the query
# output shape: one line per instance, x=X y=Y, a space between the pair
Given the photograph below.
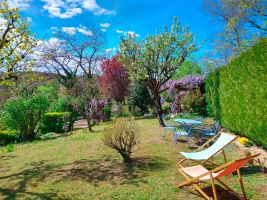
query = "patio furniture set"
x=203 y=155
x=187 y=127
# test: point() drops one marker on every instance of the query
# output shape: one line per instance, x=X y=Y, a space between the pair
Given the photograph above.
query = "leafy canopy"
x=16 y=42
x=154 y=60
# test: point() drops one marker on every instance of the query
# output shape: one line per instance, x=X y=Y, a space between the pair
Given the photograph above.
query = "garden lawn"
x=82 y=167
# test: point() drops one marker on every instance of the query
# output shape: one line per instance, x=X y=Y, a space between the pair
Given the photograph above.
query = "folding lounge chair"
x=208 y=153
x=197 y=174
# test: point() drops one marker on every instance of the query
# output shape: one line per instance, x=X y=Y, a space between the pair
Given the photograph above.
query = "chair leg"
x=213 y=187
x=224 y=156
x=164 y=132
x=241 y=184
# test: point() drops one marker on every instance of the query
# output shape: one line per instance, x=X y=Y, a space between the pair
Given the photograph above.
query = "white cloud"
x=110 y=50
x=73 y=30
x=119 y=31
x=105 y=25
x=84 y=31
x=131 y=33
x=59 y=8
x=21 y=4
x=69 y=30
x=103 y=30
x=92 y=6
x=70 y=8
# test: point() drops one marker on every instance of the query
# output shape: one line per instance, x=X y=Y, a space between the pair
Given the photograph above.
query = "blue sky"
x=115 y=17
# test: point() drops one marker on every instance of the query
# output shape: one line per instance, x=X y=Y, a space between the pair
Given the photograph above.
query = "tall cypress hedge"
x=236 y=94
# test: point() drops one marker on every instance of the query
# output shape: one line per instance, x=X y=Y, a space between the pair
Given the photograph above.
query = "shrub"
x=10 y=148
x=194 y=102
x=7 y=137
x=24 y=115
x=236 y=94
x=107 y=112
x=54 y=122
x=67 y=105
x=122 y=137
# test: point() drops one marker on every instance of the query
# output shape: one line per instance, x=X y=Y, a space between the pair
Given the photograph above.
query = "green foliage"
x=167 y=108
x=10 y=148
x=50 y=90
x=194 y=102
x=107 y=112
x=7 y=137
x=236 y=94
x=68 y=104
x=54 y=122
x=16 y=42
x=188 y=68
x=24 y=115
x=139 y=97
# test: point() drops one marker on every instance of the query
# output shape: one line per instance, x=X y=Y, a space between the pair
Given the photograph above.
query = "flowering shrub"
x=180 y=88
x=244 y=141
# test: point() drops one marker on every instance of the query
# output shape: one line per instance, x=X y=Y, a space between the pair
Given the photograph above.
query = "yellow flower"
x=243 y=140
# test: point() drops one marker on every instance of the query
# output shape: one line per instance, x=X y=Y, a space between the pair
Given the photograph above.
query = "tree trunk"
x=156 y=99
x=89 y=124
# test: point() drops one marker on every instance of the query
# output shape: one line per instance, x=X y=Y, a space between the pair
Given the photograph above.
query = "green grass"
x=82 y=167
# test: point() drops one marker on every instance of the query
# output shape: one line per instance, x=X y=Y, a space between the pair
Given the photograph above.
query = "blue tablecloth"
x=188 y=121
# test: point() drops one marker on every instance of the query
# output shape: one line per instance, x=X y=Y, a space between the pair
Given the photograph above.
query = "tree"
x=68 y=55
x=139 y=97
x=74 y=58
x=114 y=82
x=88 y=101
x=155 y=60
x=244 y=21
x=16 y=43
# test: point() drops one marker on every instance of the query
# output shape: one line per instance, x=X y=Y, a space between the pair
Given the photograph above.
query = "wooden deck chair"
x=197 y=174
x=201 y=156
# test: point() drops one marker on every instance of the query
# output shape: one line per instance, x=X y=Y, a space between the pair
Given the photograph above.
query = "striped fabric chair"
x=194 y=175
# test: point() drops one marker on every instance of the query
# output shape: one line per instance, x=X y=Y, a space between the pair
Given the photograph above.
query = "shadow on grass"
x=34 y=174
x=95 y=171
x=114 y=171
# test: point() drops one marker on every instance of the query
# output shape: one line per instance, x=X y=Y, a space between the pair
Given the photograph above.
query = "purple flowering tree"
x=94 y=111
x=179 y=88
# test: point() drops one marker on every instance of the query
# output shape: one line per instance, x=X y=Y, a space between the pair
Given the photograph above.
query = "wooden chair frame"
x=195 y=181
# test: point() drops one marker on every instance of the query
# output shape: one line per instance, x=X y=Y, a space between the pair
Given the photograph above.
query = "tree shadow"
x=93 y=171
x=36 y=171
x=113 y=171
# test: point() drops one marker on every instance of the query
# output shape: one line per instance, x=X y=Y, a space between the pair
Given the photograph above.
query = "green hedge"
x=236 y=94
x=54 y=122
x=7 y=137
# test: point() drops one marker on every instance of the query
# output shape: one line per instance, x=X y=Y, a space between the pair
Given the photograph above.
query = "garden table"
x=188 y=121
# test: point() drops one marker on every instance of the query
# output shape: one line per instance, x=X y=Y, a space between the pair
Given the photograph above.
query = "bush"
x=66 y=105
x=107 y=112
x=54 y=122
x=7 y=137
x=24 y=115
x=122 y=137
x=194 y=102
x=236 y=94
